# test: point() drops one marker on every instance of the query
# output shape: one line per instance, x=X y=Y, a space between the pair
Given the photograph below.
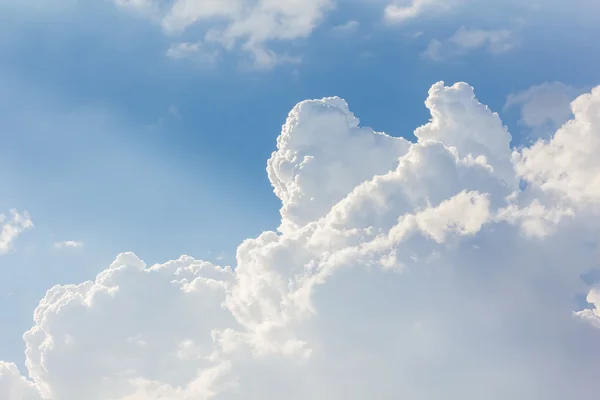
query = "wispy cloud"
x=11 y=228
x=465 y=41
x=398 y=12
x=198 y=52
x=235 y=24
x=68 y=244
x=346 y=29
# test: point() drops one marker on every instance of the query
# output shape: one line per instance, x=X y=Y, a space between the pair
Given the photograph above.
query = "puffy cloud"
x=135 y=324
x=592 y=315
x=465 y=41
x=312 y=171
x=68 y=244
x=11 y=228
x=567 y=165
x=418 y=270
x=13 y=385
x=544 y=107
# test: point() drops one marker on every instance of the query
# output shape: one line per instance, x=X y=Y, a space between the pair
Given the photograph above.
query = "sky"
x=317 y=199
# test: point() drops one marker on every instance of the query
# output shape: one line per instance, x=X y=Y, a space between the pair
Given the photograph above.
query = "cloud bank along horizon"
x=446 y=268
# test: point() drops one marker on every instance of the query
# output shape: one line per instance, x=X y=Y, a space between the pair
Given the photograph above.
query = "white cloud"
x=11 y=228
x=196 y=51
x=465 y=41
x=346 y=29
x=592 y=315
x=567 y=165
x=137 y=4
x=414 y=270
x=246 y=24
x=13 y=386
x=544 y=107
x=405 y=10
x=311 y=172
x=258 y=27
x=68 y=244
x=183 y=49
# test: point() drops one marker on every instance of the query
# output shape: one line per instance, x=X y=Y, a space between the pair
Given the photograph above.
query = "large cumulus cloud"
x=446 y=268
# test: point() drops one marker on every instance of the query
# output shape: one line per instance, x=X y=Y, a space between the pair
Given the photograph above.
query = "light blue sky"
x=107 y=141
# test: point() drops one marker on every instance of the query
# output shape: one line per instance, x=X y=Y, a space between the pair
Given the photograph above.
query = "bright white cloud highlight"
x=414 y=270
x=11 y=228
x=465 y=41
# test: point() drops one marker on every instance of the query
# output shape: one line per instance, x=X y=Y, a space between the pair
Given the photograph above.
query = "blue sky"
x=108 y=141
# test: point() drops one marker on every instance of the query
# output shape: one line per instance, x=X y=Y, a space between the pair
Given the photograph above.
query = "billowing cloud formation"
x=11 y=228
x=417 y=270
x=567 y=166
x=312 y=171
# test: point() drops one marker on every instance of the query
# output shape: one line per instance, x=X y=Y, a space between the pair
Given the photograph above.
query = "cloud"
x=311 y=172
x=11 y=228
x=242 y=24
x=406 y=11
x=544 y=107
x=345 y=29
x=418 y=270
x=402 y=11
x=68 y=244
x=197 y=51
x=13 y=386
x=465 y=41
x=567 y=165
x=136 y=4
